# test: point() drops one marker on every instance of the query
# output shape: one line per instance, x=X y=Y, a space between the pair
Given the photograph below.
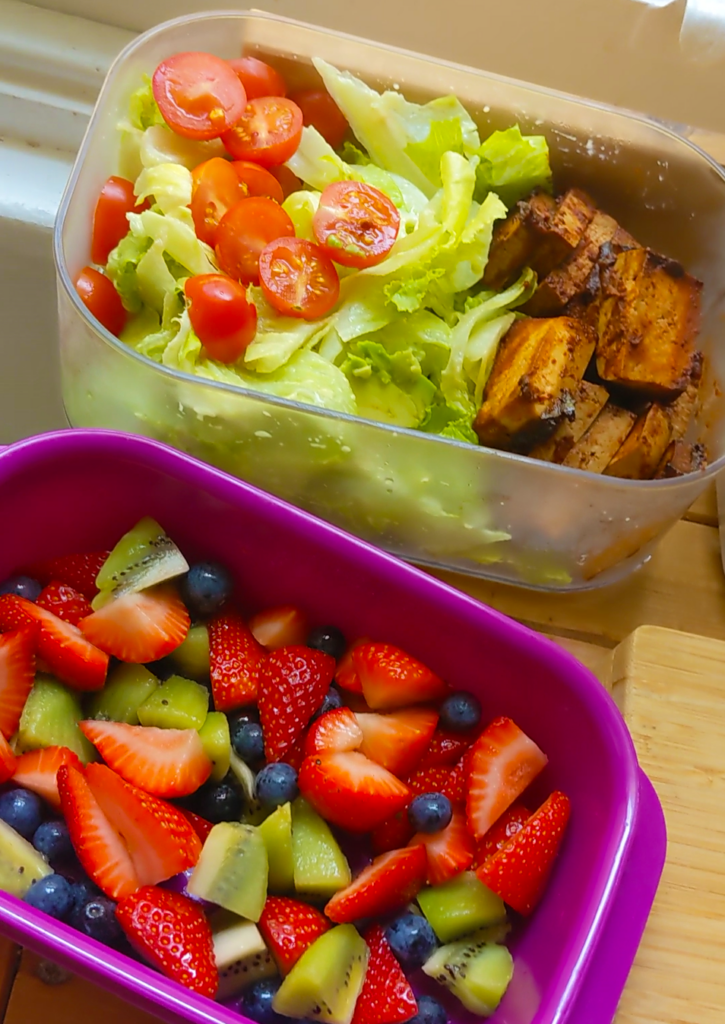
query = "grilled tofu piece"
x=681 y=458
x=649 y=317
x=538 y=233
x=589 y=400
x=572 y=278
x=594 y=451
x=683 y=409
x=643 y=448
x=537 y=366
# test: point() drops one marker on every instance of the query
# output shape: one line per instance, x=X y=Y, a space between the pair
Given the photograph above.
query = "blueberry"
x=411 y=939
x=51 y=838
x=256 y=1001
x=333 y=699
x=85 y=891
x=276 y=784
x=52 y=894
x=430 y=1011
x=460 y=711
x=21 y=810
x=328 y=639
x=247 y=740
x=219 y=801
x=205 y=588
x=96 y=918
x=23 y=586
x=430 y=812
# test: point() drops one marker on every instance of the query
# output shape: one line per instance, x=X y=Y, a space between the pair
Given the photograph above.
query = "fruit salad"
x=294 y=822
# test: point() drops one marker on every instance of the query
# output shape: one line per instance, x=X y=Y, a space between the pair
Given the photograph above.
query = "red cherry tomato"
x=215 y=189
x=298 y=279
x=268 y=132
x=222 y=318
x=199 y=95
x=110 y=223
x=287 y=179
x=258 y=78
x=101 y=299
x=355 y=224
x=320 y=111
x=256 y=181
x=244 y=231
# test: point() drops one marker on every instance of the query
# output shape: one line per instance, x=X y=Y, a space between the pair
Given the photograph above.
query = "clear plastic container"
x=436 y=502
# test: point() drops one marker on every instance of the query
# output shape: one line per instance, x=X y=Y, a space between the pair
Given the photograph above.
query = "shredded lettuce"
x=143 y=110
x=169 y=185
x=513 y=165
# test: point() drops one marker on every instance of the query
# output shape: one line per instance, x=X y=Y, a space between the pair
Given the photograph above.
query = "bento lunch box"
x=79 y=490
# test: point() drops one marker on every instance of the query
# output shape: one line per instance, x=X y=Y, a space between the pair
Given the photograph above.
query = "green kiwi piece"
x=276 y=831
x=20 y=863
x=476 y=970
x=460 y=906
x=240 y=953
x=126 y=688
x=326 y=981
x=143 y=557
x=50 y=719
x=191 y=657
x=232 y=870
x=177 y=703
x=214 y=736
x=320 y=867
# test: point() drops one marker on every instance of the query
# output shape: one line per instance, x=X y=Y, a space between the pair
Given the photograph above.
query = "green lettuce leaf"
x=143 y=110
x=301 y=208
x=169 y=184
x=388 y=386
x=121 y=268
x=513 y=165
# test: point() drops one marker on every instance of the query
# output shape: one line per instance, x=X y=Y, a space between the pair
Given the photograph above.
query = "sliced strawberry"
x=391 y=834
x=17 y=672
x=163 y=762
x=160 y=840
x=235 y=658
x=38 y=769
x=293 y=682
x=386 y=996
x=510 y=822
x=77 y=571
x=346 y=675
x=456 y=788
x=173 y=934
x=503 y=762
x=519 y=871
x=8 y=760
x=350 y=790
x=392 y=880
x=428 y=780
x=289 y=928
x=335 y=730
x=449 y=851
x=65 y=602
x=201 y=826
x=139 y=627
x=64 y=649
x=98 y=846
x=296 y=754
x=447 y=747
x=398 y=739
x=390 y=678
x=283 y=626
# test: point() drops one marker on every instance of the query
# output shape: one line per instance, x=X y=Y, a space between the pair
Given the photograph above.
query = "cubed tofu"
x=643 y=448
x=589 y=400
x=538 y=233
x=649 y=317
x=681 y=458
x=571 y=279
x=537 y=366
x=594 y=451
x=683 y=409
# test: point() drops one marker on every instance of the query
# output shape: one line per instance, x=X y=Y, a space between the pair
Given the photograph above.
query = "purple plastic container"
x=80 y=490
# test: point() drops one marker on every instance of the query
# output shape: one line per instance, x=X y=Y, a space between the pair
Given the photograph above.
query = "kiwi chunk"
x=177 y=703
x=20 y=863
x=143 y=557
x=126 y=688
x=276 y=831
x=50 y=719
x=214 y=736
x=232 y=870
x=320 y=867
x=460 y=906
x=326 y=981
x=191 y=657
x=240 y=953
x=476 y=970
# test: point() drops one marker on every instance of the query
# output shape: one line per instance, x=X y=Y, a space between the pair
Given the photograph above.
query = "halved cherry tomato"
x=256 y=181
x=215 y=189
x=224 y=321
x=110 y=223
x=268 y=132
x=298 y=279
x=355 y=224
x=258 y=78
x=321 y=112
x=198 y=94
x=101 y=299
x=288 y=180
x=244 y=231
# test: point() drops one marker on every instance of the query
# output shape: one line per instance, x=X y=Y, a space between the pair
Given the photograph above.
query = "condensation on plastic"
x=426 y=499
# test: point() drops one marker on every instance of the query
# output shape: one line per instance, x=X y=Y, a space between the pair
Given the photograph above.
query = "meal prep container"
x=437 y=502
x=80 y=490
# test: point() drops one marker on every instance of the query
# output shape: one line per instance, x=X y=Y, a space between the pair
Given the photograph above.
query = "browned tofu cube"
x=681 y=458
x=571 y=279
x=589 y=400
x=537 y=366
x=649 y=317
x=683 y=409
x=538 y=233
x=643 y=448
x=594 y=451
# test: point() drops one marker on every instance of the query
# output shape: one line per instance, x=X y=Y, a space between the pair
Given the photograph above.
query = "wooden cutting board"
x=671 y=688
